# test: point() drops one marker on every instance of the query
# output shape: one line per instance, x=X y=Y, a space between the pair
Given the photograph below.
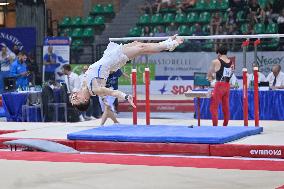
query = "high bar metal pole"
x=259 y=36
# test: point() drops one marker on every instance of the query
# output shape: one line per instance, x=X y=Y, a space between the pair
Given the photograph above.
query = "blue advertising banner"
x=56 y=53
x=24 y=38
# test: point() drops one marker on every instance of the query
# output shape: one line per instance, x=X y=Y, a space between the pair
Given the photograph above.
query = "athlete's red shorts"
x=221 y=94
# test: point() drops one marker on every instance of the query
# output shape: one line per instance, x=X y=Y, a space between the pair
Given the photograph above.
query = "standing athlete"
x=222 y=67
x=116 y=56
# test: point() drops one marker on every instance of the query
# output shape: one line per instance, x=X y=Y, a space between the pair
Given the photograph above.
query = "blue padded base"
x=2 y=112
x=166 y=134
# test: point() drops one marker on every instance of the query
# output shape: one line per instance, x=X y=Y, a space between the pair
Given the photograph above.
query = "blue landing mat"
x=2 y=112
x=166 y=134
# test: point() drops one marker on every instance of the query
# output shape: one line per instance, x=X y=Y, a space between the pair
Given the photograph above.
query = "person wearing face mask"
x=20 y=71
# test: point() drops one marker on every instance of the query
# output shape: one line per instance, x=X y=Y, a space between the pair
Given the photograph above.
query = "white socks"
x=170 y=44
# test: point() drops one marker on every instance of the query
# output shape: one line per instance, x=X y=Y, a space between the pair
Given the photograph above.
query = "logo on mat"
x=266 y=152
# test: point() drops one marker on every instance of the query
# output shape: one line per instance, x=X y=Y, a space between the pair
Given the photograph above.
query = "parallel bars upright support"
x=134 y=93
x=147 y=92
x=245 y=83
x=255 y=73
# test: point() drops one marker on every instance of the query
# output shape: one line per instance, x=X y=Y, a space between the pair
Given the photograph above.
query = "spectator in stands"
x=20 y=71
x=231 y=19
x=160 y=32
x=231 y=30
x=147 y=32
x=149 y=6
x=237 y=5
x=255 y=11
x=172 y=29
x=49 y=60
x=6 y=58
x=165 y=4
x=215 y=24
x=196 y=44
x=186 y=4
x=277 y=7
x=280 y=21
x=276 y=78
x=266 y=14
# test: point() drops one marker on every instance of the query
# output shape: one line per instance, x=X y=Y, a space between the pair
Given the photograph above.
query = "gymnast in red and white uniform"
x=222 y=68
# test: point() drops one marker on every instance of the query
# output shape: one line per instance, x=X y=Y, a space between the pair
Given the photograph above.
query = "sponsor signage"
x=183 y=65
x=56 y=49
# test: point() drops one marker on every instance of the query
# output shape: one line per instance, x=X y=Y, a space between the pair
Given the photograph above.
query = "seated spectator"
x=147 y=32
x=196 y=44
x=238 y=5
x=255 y=11
x=186 y=4
x=148 y=6
x=277 y=7
x=215 y=23
x=266 y=14
x=231 y=30
x=160 y=32
x=231 y=19
x=20 y=71
x=276 y=78
x=165 y=4
x=172 y=29
x=280 y=21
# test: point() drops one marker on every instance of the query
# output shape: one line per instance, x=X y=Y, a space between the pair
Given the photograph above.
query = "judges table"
x=271 y=105
x=13 y=102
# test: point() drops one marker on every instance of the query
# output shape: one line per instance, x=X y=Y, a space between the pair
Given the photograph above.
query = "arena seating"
x=202 y=13
x=83 y=30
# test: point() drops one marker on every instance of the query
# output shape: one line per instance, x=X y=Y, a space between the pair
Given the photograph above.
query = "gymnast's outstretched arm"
x=103 y=91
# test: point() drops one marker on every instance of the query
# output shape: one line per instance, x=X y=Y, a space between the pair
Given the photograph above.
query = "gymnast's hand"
x=178 y=39
x=130 y=100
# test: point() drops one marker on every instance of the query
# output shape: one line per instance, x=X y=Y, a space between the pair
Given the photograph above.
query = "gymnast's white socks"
x=170 y=44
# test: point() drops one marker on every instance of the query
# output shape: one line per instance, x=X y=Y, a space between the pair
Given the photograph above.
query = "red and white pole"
x=147 y=92
x=245 y=83
x=256 y=105
x=255 y=73
x=245 y=96
x=134 y=94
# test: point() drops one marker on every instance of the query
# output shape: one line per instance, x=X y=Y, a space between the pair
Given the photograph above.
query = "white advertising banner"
x=162 y=87
x=180 y=65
